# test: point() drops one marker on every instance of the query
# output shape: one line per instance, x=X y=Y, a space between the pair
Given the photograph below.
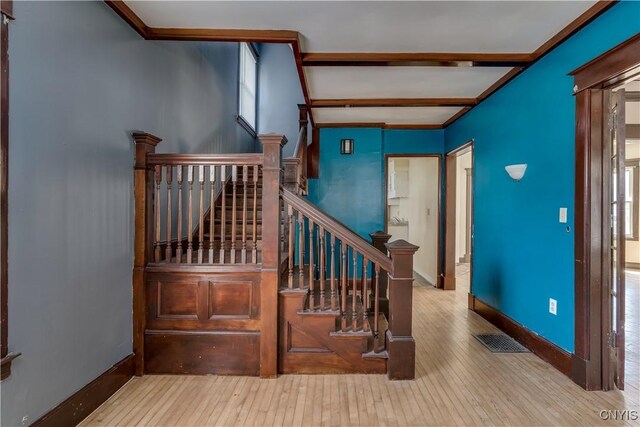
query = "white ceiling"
x=394 y=115
x=385 y=26
x=400 y=82
x=380 y=26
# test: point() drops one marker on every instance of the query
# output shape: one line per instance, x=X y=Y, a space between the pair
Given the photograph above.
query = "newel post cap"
x=380 y=236
x=401 y=247
x=273 y=138
x=145 y=138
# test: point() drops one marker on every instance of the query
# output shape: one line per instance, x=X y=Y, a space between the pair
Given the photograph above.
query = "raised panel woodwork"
x=228 y=299
x=300 y=342
x=177 y=300
x=201 y=353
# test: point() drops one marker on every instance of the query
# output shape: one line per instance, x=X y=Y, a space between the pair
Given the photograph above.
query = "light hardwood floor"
x=459 y=382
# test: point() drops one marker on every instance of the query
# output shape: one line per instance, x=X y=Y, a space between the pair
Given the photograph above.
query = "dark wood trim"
x=129 y=16
x=603 y=70
x=591 y=217
x=393 y=102
x=215 y=35
x=440 y=210
x=6 y=8
x=592 y=13
x=246 y=126
x=449 y=269
x=5 y=356
x=544 y=349
x=576 y=25
x=358 y=59
x=86 y=400
x=456 y=116
x=379 y=125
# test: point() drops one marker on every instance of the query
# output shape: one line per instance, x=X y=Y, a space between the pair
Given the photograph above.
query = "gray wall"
x=279 y=93
x=81 y=81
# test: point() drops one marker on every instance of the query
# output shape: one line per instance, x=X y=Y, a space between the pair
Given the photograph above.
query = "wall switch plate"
x=553 y=306
x=563 y=215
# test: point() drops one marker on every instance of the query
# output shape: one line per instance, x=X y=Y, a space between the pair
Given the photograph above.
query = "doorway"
x=412 y=209
x=459 y=218
x=607 y=250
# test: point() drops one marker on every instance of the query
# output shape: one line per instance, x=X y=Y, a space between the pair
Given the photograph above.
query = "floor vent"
x=501 y=343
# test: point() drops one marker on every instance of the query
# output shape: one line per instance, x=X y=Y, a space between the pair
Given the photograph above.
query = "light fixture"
x=516 y=172
x=346 y=146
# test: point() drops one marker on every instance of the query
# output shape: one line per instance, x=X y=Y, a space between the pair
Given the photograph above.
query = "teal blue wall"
x=522 y=255
x=351 y=187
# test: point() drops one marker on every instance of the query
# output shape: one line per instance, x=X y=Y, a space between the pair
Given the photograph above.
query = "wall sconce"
x=346 y=146
x=516 y=172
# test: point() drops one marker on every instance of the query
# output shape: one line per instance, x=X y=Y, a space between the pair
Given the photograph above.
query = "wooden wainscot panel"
x=177 y=300
x=231 y=300
x=201 y=353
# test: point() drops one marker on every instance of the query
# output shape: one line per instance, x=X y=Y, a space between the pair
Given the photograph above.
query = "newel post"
x=143 y=238
x=271 y=172
x=379 y=240
x=400 y=343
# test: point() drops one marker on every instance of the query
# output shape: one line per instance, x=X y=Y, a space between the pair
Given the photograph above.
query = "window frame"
x=635 y=198
x=246 y=125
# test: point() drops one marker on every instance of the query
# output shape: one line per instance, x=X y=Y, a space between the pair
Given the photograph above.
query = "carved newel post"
x=400 y=343
x=271 y=214
x=143 y=238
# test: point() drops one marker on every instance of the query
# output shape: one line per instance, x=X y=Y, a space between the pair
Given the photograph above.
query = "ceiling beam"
x=356 y=59
x=393 y=102
x=211 y=35
x=379 y=125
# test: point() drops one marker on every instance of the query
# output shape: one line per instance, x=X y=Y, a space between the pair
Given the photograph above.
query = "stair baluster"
x=223 y=211
x=301 y=241
x=343 y=275
x=190 y=215
x=234 y=180
x=322 y=264
x=333 y=272
x=354 y=309
x=243 y=252
x=179 y=219
x=254 y=254
x=311 y=267
x=158 y=175
x=201 y=215
x=168 y=251
x=290 y=222
x=365 y=295
x=212 y=211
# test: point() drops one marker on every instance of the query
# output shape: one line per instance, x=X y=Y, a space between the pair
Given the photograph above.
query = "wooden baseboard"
x=82 y=403
x=546 y=350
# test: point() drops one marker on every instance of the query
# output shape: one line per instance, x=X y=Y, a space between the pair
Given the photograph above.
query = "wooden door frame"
x=449 y=277
x=591 y=326
x=438 y=277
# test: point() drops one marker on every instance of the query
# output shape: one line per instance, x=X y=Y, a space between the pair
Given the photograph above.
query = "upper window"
x=248 y=83
x=631 y=200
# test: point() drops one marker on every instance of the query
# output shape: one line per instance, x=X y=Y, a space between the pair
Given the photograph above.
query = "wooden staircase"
x=236 y=273
x=316 y=337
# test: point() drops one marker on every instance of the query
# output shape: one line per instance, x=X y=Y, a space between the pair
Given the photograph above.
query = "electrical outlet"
x=563 y=215
x=553 y=306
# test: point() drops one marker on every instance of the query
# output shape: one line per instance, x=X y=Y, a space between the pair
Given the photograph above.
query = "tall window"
x=248 y=82
x=631 y=202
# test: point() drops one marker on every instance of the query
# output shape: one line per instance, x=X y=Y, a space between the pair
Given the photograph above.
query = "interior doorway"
x=606 y=219
x=412 y=208
x=459 y=219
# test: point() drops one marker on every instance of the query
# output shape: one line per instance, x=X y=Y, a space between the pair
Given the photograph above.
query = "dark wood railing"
x=346 y=274
x=188 y=188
